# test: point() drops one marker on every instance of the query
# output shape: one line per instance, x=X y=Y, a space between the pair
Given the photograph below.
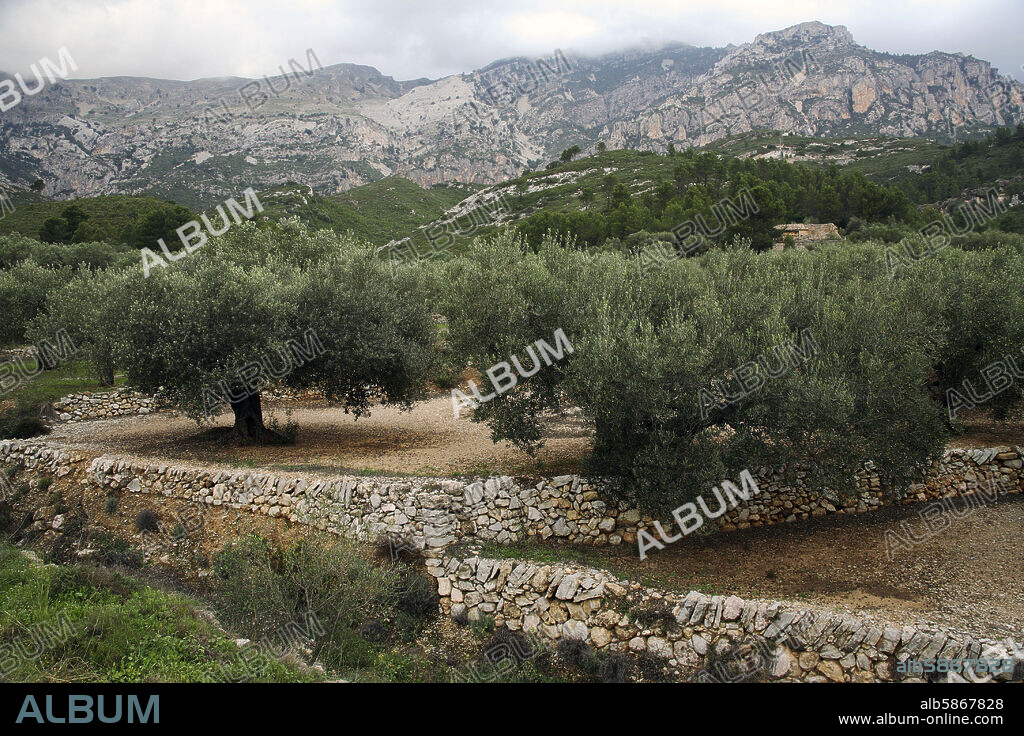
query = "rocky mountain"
x=341 y=126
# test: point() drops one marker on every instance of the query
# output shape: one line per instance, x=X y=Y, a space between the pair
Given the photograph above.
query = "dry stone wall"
x=119 y=402
x=959 y=472
x=123 y=402
x=566 y=601
x=768 y=640
x=434 y=513
x=18 y=354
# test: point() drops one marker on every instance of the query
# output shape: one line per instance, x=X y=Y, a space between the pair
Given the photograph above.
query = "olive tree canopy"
x=259 y=307
x=693 y=370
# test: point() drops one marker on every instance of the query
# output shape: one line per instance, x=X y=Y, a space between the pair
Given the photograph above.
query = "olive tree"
x=24 y=290
x=260 y=307
x=701 y=368
x=499 y=301
x=376 y=333
x=84 y=309
x=191 y=330
x=977 y=299
x=743 y=361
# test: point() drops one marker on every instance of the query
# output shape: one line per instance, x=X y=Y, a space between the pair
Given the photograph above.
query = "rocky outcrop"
x=346 y=125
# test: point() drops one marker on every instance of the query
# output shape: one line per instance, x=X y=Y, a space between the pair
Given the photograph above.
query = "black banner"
x=839 y=707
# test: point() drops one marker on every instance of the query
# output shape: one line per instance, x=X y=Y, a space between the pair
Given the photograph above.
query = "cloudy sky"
x=187 y=39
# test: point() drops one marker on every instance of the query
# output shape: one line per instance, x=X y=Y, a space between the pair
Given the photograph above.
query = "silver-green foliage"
x=648 y=342
x=196 y=324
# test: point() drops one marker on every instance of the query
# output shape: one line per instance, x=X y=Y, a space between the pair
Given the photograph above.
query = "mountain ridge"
x=345 y=125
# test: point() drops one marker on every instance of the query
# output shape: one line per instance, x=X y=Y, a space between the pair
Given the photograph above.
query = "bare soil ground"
x=425 y=441
x=984 y=430
x=969 y=576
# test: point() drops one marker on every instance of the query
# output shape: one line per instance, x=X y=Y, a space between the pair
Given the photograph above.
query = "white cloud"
x=185 y=39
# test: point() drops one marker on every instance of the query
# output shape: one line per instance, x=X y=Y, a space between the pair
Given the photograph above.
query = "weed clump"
x=147 y=520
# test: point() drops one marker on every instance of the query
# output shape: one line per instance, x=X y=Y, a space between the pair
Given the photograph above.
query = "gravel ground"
x=428 y=440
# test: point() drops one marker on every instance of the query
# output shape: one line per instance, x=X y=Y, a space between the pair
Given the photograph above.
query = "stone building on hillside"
x=803 y=233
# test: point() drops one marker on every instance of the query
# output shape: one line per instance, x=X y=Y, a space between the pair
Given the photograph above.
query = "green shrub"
x=510 y=656
x=147 y=520
x=579 y=656
x=418 y=595
x=654 y=616
x=110 y=504
x=653 y=668
x=22 y=422
x=375 y=632
x=591 y=666
x=482 y=626
x=6 y=516
x=615 y=667
x=391 y=548
x=328 y=591
x=505 y=643
x=114 y=551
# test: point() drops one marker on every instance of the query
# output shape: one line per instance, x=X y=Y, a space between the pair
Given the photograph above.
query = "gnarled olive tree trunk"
x=106 y=375
x=249 y=426
x=103 y=359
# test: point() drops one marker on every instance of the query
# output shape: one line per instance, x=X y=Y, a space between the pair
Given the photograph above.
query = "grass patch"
x=82 y=624
x=550 y=554
x=74 y=377
x=21 y=422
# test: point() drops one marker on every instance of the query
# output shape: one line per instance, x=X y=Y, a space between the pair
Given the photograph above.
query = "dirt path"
x=428 y=440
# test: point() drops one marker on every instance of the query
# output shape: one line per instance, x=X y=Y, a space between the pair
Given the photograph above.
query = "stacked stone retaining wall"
x=565 y=601
x=753 y=639
x=432 y=513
